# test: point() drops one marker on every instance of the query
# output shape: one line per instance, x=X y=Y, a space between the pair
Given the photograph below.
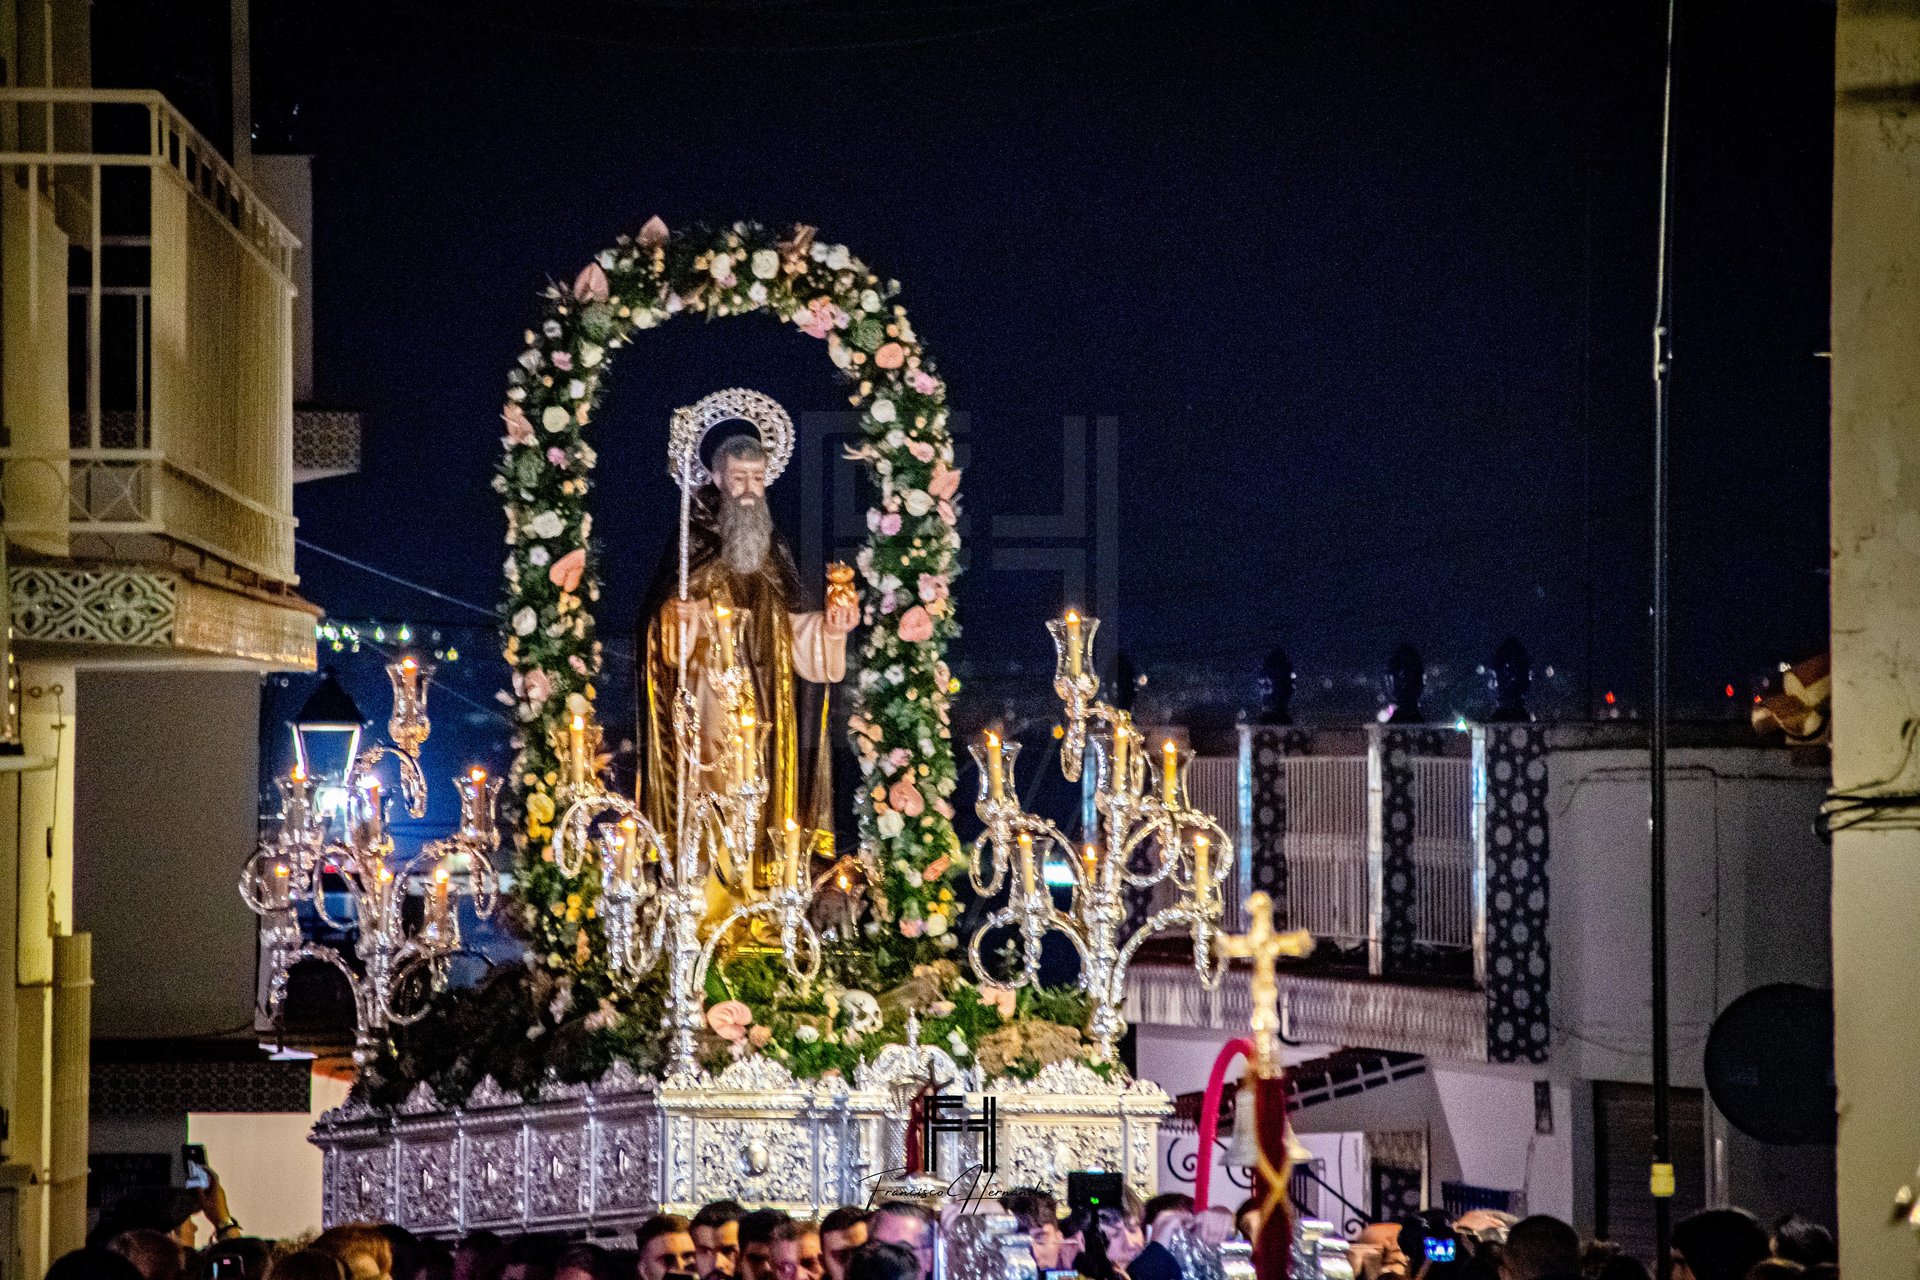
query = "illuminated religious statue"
x=731 y=591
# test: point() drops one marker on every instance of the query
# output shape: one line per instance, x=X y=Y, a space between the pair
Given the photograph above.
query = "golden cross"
x=1264 y=946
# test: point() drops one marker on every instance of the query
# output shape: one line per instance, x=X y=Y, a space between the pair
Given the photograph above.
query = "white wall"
x=1748 y=905
x=270 y=1170
x=166 y=809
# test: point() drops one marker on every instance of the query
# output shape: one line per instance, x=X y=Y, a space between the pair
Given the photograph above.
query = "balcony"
x=1416 y=856
x=148 y=397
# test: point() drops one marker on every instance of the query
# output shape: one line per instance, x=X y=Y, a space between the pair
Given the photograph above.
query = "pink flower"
x=921 y=450
x=519 y=430
x=888 y=602
x=729 y=1020
x=945 y=482
x=563 y=361
x=906 y=797
x=948 y=515
x=591 y=284
x=557 y=456
x=1001 y=999
x=898 y=757
x=923 y=382
x=936 y=869
x=539 y=686
x=654 y=233
x=890 y=356
x=759 y=1037
x=933 y=586
x=911 y=928
x=821 y=318
x=916 y=624
x=889 y=524
x=566 y=571
x=578 y=663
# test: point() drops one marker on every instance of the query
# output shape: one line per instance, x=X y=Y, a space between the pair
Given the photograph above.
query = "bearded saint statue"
x=736 y=559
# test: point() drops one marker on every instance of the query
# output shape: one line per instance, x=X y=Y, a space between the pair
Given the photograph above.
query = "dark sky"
x=1365 y=288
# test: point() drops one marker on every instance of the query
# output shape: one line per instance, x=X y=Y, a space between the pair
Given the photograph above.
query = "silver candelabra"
x=1139 y=823
x=351 y=842
x=653 y=884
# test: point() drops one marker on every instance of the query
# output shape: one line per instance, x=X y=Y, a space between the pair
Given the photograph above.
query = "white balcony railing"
x=1334 y=846
x=149 y=379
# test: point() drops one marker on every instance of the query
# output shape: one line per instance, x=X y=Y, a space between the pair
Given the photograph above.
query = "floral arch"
x=899 y=719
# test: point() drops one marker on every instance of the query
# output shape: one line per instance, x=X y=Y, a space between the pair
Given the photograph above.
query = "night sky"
x=1365 y=289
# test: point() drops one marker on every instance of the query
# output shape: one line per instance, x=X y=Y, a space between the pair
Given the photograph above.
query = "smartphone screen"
x=1439 y=1250
x=193 y=1160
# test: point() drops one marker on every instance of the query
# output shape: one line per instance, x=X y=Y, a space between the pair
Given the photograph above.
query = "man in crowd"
x=1038 y=1214
x=716 y=1238
x=1541 y=1248
x=903 y=1222
x=796 y=1251
x=841 y=1232
x=665 y=1242
x=756 y=1243
x=1716 y=1244
x=1161 y=1217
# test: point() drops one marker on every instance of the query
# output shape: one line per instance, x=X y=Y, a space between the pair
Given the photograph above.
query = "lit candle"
x=1091 y=856
x=1169 y=773
x=749 y=746
x=723 y=628
x=625 y=845
x=442 y=887
x=1026 y=863
x=1202 y=876
x=996 y=773
x=793 y=854
x=578 y=741
x=410 y=676
x=1074 y=655
x=299 y=773
x=1121 y=779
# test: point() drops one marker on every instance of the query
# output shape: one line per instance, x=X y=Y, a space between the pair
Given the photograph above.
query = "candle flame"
x=477 y=774
x=993 y=740
x=442 y=875
x=1072 y=616
x=408 y=663
x=792 y=825
x=579 y=722
x=1026 y=843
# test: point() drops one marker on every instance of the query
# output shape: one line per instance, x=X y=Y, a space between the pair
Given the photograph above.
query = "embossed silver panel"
x=611 y=1154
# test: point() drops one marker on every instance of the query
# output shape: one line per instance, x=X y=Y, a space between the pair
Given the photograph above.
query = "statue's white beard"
x=746 y=533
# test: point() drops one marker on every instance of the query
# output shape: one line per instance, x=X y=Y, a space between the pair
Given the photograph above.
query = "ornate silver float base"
x=606 y=1155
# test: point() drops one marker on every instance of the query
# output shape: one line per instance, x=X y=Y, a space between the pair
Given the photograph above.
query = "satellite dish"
x=1769 y=1064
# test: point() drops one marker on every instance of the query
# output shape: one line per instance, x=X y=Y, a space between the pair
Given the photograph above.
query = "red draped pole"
x=1265 y=1085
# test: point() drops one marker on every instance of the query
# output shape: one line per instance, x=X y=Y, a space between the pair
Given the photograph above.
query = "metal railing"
x=150 y=387
x=1334 y=846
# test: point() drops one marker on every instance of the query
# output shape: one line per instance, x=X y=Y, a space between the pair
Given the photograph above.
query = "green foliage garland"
x=900 y=708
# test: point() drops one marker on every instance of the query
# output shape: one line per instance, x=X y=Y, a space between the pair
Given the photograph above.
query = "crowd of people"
x=151 y=1237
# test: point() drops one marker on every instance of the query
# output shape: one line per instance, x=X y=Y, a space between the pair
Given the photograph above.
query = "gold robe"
x=778 y=646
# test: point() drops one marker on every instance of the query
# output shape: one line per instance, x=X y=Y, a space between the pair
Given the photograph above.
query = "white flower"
x=863 y=1013
x=722 y=268
x=586 y=526
x=838 y=353
x=890 y=824
x=806 y=1033
x=547 y=524
x=577 y=705
x=591 y=354
x=917 y=501
x=524 y=622
x=869 y=300
x=896 y=439
x=555 y=418
x=883 y=411
x=936 y=924
x=576 y=389
x=895 y=674
x=551 y=328
x=955 y=1041
x=757 y=292
x=766 y=264
x=516 y=393
x=838 y=257
x=538 y=557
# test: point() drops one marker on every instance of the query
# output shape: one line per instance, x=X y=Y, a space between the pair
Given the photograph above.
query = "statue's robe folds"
x=779 y=645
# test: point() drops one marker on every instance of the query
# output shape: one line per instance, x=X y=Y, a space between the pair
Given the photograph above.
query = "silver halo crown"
x=735 y=404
